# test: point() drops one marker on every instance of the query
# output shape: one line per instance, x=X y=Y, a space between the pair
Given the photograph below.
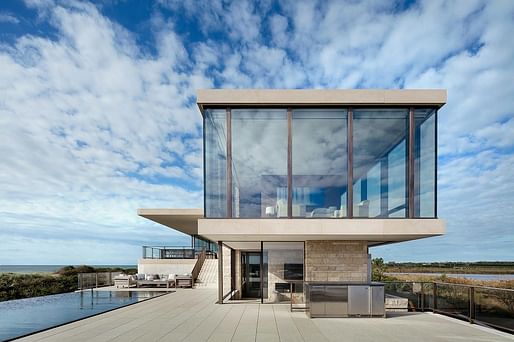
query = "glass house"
x=299 y=184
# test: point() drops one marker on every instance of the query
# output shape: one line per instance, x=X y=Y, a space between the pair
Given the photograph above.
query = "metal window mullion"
x=349 y=171
x=410 y=168
x=289 y=163
x=262 y=273
x=204 y=169
x=220 y=272
x=435 y=166
x=229 y=162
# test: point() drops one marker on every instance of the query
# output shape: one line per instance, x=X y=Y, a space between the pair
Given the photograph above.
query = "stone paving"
x=192 y=315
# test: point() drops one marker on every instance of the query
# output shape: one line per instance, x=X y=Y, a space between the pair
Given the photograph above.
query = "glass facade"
x=319 y=162
x=283 y=263
x=259 y=163
x=425 y=162
x=215 y=162
x=380 y=162
x=319 y=155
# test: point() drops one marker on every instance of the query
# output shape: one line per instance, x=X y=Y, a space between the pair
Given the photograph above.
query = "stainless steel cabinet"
x=377 y=301
x=344 y=300
x=358 y=300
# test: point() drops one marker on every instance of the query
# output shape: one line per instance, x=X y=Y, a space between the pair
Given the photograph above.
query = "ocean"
x=45 y=268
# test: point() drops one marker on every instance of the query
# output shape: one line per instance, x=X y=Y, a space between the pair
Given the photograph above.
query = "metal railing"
x=169 y=252
x=94 y=280
x=484 y=305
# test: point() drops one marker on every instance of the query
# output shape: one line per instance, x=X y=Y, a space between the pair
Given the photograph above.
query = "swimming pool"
x=24 y=316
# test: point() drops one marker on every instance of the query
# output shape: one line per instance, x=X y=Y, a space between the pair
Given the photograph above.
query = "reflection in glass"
x=424 y=162
x=380 y=163
x=259 y=163
x=283 y=264
x=215 y=163
x=319 y=162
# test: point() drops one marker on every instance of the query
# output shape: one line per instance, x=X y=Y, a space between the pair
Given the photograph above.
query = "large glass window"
x=319 y=155
x=259 y=163
x=215 y=163
x=424 y=162
x=283 y=266
x=380 y=162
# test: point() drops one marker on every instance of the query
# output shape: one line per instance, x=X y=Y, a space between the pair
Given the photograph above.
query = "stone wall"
x=165 y=266
x=329 y=260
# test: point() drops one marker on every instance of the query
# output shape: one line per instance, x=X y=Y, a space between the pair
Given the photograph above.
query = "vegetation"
x=481 y=267
x=16 y=286
x=378 y=271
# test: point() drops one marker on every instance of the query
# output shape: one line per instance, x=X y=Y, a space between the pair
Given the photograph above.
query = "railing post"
x=96 y=277
x=435 y=296
x=422 y=297
x=471 y=304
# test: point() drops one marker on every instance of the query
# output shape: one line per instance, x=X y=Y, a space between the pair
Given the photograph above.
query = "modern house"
x=299 y=184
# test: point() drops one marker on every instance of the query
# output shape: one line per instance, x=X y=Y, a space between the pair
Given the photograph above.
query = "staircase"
x=208 y=276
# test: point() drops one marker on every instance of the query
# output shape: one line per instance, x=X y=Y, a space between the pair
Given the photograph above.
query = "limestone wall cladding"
x=336 y=261
x=238 y=274
x=165 y=266
x=227 y=276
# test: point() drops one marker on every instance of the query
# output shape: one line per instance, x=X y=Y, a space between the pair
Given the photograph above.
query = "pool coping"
x=163 y=293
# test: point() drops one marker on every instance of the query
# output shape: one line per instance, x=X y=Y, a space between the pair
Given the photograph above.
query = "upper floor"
x=320 y=153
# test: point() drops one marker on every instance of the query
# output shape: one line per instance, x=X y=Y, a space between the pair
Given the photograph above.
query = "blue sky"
x=97 y=113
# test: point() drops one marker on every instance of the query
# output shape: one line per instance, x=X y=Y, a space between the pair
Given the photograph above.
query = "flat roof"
x=321 y=97
x=182 y=220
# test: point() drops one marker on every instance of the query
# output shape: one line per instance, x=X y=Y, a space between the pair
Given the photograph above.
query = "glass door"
x=251 y=274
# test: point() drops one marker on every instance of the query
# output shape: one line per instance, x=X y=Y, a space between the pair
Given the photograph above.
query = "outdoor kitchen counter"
x=345 y=299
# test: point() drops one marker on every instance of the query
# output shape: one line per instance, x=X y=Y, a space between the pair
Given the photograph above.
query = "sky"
x=98 y=114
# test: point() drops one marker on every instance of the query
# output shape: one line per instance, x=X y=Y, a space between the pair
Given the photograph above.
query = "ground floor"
x=192 y=315
x=276 y=271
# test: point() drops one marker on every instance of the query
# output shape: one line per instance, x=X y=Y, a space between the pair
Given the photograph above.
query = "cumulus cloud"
x=94 y=125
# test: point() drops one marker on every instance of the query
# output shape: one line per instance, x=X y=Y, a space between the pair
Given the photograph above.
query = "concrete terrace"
x=192 y=315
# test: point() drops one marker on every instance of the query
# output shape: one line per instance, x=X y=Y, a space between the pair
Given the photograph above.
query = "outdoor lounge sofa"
x=167 y=280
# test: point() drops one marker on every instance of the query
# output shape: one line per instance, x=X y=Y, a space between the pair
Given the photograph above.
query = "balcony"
x=169 y=252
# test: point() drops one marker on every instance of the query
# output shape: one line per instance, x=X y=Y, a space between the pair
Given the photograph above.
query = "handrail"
x=198 y=265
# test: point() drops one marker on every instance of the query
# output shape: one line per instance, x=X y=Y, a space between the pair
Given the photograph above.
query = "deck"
x=191 y=315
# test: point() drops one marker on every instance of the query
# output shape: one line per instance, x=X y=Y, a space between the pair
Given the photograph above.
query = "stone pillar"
x=227 y=270
x=327 y=260
x=238 y=274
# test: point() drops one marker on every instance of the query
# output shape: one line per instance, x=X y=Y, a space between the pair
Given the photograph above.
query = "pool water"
x=24 y=316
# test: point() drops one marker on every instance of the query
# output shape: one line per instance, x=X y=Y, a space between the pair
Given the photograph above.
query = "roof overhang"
x=182 y=220
x=319 y=97
x=375 y=231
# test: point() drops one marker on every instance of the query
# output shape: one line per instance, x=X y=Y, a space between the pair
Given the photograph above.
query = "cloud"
x=88 y=123
x=8 y=18
x=94 y=124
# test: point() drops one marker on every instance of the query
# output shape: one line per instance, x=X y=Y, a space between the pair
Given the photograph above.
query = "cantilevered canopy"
x=183 y=220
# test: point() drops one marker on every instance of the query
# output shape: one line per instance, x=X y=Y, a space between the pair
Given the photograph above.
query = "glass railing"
x=477 y=304
x=169 y=252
